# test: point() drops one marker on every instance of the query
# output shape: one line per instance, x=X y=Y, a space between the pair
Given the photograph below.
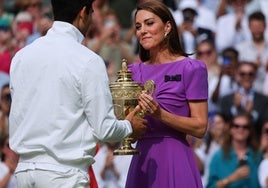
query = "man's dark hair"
x=258 y=15
x=230 y=49
x=67 y=10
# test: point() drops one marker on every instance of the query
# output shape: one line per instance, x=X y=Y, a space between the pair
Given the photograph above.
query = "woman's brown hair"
x=251 y=141
x=172 y=40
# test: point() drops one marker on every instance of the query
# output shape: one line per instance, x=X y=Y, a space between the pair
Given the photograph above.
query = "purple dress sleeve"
x=196 y=80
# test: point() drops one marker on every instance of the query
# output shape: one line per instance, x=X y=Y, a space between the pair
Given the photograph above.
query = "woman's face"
x=218 y=126
x=264 y=136
x=150 y=30
x=206 y=53
x=240 y=129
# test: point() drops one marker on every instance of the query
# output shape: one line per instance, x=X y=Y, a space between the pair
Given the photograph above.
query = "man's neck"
x=259 y=44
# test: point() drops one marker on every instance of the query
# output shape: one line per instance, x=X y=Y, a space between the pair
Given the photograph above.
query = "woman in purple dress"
x=177 y=108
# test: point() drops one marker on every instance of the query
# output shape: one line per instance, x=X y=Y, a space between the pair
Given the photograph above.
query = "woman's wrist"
x=225 y=181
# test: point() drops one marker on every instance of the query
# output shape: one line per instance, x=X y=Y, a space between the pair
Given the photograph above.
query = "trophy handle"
x=149 y=87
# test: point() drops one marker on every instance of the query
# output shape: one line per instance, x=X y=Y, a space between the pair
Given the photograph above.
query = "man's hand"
x=237 y=99
x=139 y=125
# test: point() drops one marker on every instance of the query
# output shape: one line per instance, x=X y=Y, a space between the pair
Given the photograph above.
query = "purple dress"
x=166 y=159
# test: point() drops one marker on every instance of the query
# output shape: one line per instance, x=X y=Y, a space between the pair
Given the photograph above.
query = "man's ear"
x=80 y=17
x=83 y=13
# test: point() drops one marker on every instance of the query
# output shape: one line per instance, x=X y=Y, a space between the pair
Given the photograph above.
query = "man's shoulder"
x=261 y=97
x=228 y=97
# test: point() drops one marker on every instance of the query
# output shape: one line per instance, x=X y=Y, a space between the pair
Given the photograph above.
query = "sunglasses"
x=207 y=53
x=249 y=74
x=245 y=127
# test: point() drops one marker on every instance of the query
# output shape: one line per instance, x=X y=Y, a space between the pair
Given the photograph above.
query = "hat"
x=23 y=17
x=188 y=4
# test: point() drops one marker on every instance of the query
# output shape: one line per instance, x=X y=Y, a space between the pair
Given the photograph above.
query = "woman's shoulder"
x=193 y=65
x=218 y=154
x=193 y=62
x=135 y=65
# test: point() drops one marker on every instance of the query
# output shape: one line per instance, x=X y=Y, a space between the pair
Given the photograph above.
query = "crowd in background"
x=230 y=36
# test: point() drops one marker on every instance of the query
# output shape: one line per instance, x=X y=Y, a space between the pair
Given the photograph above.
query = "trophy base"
x=126 y=148
x=126 y=152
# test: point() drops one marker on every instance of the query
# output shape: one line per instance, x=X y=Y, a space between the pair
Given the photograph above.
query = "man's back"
x=54 y=83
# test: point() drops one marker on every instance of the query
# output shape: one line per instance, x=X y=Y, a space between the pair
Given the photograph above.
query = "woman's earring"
x=165 y=36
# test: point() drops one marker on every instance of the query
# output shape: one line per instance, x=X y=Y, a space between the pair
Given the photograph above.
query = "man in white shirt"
x=256 y=49
x=232 y=28
x=61 y=103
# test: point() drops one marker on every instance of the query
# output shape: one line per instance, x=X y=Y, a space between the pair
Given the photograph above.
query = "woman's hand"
x=149 y=105
x=195 y=125
x=242 y=172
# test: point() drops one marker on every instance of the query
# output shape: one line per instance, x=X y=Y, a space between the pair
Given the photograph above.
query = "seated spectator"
x=214 y=140
x=187 y=29
x=42 y=25
x=226 y=82
x=8 y=164
x=23 y=28
x=195 y=23
x=232 y=27
x=246 y=98
x=7 y=47
x=34 y=8
x=110 y=170
x=263 y=169
x=5 y=104
x=111 y=46
x=5 y=17
x=236 y=163
x=206 y=52
x=256 y=49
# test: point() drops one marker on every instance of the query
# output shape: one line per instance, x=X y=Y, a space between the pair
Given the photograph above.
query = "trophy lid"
x=124 y=75
x=124 y=78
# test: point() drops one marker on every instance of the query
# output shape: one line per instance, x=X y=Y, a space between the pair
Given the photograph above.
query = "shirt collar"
x=64 y=28
x=244 y=92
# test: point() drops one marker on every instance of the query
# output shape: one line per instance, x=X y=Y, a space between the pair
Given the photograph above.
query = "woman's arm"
x=195 y=125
